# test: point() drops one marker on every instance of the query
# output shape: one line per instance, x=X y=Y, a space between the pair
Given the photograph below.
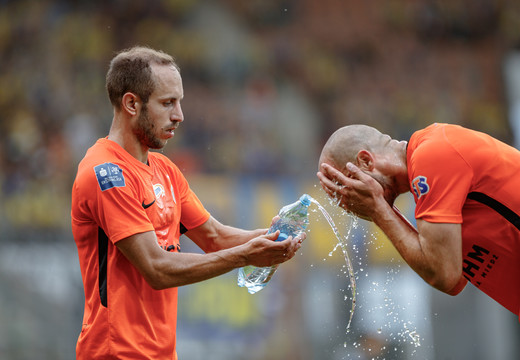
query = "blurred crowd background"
x=266 y=82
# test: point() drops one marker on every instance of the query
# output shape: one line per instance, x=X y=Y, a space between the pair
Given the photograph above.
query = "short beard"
x=388 y=188
x=145 y=131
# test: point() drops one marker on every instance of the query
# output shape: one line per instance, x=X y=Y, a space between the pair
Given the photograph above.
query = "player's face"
x=162 y=114
x=391 y=166
x=391 y=145
x=390 y=189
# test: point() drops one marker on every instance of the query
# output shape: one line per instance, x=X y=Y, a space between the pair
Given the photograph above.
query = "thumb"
x=275 y=219
x=273 y=236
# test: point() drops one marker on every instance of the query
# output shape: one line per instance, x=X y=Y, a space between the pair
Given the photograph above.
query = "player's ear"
x=130 y=103
x=365 y=160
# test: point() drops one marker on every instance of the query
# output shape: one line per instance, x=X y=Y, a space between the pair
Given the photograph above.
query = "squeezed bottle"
x=294 y=219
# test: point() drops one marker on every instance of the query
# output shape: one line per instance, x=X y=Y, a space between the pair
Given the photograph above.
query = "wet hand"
x=354 y=191
x=265 y=251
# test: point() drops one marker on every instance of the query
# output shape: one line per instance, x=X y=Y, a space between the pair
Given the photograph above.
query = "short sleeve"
x=193 y=213
x=439 y=180
x=118 y=209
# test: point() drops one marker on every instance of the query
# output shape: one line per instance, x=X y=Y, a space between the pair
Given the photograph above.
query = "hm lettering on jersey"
x=477 y=264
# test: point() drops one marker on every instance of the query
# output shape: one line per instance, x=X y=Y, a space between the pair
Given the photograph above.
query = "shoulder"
x=428 y=143
x=438 y=140
x=436 y=152
x=157 y=156
x=452 y=134
x=163 y=162
x=105 y=166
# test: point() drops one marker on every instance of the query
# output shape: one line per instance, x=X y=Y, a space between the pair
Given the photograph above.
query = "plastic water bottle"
x=294 y=219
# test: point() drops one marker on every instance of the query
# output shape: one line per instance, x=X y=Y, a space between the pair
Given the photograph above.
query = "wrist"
x=239 y=256
x=382 y=212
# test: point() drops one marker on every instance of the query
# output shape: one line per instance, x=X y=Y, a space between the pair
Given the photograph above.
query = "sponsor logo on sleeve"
x=420 y=186
x=109 y=176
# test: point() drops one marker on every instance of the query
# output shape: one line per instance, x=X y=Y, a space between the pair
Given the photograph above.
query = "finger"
x=296 y=243
x=293 y=247
x=275 y=219
x=337 y=192
x=328 y=183
x=272 y=236
x=331 y=193
x=325 y=188
x=330 y=171
x=336 y=176
x=324 y=179
x=289 y=246
x=336 y=196
x=354 y=172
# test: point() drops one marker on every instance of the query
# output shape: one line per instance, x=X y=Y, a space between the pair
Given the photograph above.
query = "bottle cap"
x=305 y=199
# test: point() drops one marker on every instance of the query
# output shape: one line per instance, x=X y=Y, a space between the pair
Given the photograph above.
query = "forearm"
x=162 y=269
x=213 y=235
x=402 y=235
x=424 y=257
x=229 y=237
x=178 y=269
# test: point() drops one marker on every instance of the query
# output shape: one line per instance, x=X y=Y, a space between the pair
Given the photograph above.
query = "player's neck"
x=128 y=141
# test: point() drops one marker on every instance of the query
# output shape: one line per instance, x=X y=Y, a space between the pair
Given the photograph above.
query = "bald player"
x=464 y=185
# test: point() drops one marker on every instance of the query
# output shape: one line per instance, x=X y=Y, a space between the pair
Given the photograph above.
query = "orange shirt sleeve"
x=118 y=210
x=439 y=178
x=193 y=212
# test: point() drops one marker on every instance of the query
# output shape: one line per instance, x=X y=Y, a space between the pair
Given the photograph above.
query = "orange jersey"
x=115 y=196
x=466 y=177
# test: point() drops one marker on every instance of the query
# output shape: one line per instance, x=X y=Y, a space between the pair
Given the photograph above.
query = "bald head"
x=345 y=143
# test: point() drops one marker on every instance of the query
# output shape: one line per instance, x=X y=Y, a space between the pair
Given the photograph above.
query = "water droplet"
x=342 y=243
x=416 y=340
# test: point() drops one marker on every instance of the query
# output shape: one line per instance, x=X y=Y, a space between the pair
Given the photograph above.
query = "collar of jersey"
x=125 y=155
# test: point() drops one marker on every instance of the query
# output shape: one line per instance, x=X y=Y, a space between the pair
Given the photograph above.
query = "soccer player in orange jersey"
x=129 y=208
x=466 y=189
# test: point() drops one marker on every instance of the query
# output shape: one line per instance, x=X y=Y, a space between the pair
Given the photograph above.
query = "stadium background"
x=266 y=82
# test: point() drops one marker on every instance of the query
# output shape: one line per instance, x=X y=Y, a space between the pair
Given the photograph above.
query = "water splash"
x=416 y=338
x=342 y=243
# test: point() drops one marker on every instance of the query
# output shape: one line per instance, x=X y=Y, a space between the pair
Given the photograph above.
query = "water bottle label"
x=282 y=236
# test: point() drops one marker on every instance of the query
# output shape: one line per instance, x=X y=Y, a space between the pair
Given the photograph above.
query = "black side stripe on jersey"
x=500 y=208
x=102 y=256
x=182 y=228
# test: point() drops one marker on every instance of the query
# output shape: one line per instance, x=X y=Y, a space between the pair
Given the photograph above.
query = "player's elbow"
x=160 y=282
x=449 y=282
x=459 y=286
x=155 y=280
x=155 y=283
x=158 y=279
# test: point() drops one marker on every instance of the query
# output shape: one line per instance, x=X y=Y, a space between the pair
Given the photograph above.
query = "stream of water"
x=342 y=243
